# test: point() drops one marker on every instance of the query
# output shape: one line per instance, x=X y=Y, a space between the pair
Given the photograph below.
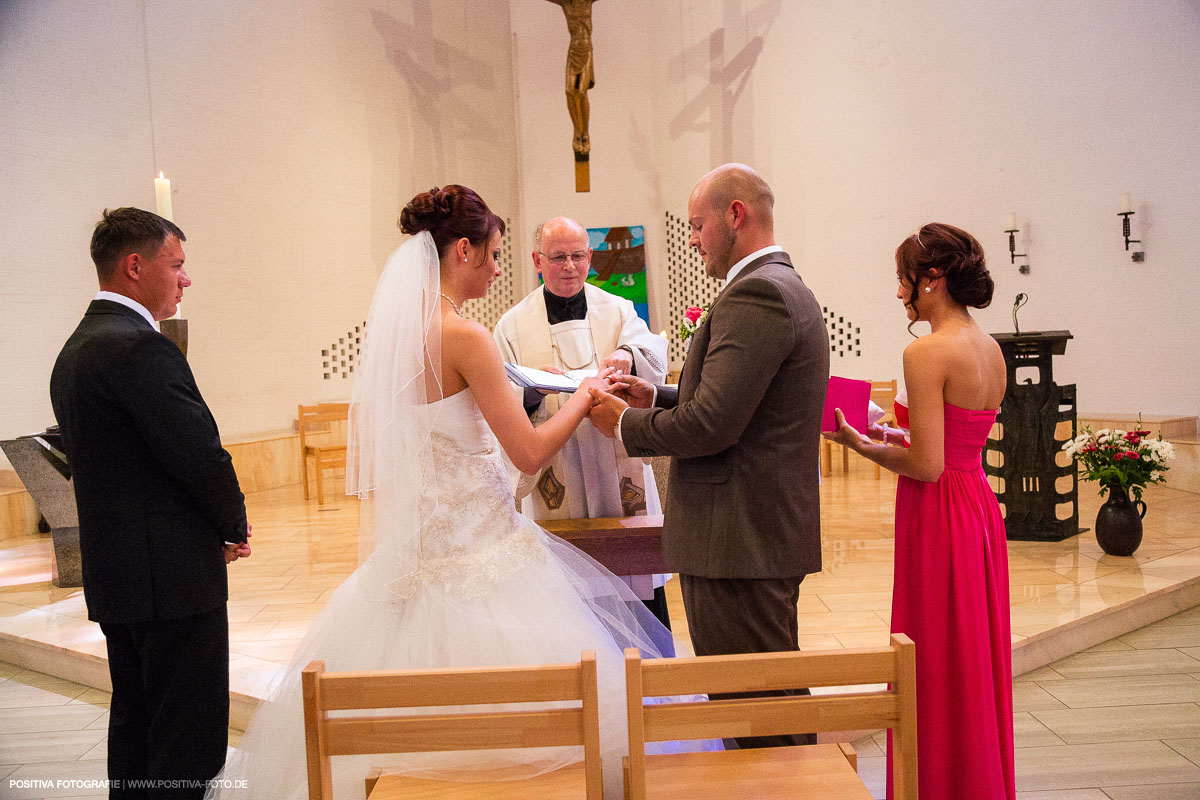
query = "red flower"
x=1132 y=456
x=693 y=313
x=1118 y=456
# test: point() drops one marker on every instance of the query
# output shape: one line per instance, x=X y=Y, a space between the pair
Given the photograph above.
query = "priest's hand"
x=620 y=359
x=637 y=392
x=606 y=411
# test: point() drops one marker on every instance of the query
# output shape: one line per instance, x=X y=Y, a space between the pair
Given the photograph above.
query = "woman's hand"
x=845 y=434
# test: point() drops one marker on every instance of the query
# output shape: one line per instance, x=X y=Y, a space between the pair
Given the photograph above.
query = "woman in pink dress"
x=950 y=593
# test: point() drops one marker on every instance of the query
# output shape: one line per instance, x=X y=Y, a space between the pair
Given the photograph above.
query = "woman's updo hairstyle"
x=449 y=214
x=954 y=255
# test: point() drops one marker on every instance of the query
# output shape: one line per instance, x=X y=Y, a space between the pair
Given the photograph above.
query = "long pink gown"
x=950 y=595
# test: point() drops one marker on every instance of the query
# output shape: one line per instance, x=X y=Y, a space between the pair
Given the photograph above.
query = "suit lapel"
x=699 y=346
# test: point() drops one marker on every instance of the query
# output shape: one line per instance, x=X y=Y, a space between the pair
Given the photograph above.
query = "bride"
x=452 y=575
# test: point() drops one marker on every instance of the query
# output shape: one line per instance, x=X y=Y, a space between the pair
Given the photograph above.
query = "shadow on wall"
x=712 y=109
x=434 y=71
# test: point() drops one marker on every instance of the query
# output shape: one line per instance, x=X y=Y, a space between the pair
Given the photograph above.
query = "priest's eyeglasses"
x=579 y=258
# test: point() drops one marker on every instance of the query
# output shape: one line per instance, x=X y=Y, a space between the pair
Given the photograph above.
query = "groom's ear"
x=738 y=211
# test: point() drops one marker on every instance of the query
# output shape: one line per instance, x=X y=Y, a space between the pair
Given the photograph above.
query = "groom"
x=743 y=520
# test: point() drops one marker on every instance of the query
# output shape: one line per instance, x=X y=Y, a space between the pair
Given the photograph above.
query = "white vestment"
x=591 y=476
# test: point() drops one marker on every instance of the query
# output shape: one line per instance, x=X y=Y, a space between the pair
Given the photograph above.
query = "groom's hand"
x=637 y=392
x=606 y=411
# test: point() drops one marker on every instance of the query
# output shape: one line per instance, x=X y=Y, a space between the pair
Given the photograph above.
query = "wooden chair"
x=824 y=771
x=883 y=394
x=487 y=728
x=323 y=439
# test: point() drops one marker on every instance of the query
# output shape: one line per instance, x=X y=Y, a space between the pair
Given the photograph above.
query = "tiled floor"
x=303 y=551
x=1147 y=678
x=1120 y=721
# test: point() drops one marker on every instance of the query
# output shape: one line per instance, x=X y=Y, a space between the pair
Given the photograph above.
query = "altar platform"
x=1066 y=596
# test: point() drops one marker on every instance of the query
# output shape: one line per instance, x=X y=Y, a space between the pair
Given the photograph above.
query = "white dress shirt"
x=128 y=302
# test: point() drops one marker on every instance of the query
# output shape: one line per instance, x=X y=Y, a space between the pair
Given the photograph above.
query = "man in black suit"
x=160 y=513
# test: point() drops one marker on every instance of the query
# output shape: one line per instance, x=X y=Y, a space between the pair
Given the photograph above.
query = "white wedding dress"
x=489 y=587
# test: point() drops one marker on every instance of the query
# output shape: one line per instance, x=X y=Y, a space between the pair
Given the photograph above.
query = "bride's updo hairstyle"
x=941 y=250
x=449 y=214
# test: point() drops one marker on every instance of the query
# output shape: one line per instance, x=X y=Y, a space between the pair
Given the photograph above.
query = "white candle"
x=1126 y=204
x=162 y=196
x=1010 y=222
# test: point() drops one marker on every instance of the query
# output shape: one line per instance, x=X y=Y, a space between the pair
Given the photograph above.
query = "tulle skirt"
x=557 y=603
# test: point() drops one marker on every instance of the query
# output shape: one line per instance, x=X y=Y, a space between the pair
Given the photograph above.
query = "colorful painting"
x=619 y=264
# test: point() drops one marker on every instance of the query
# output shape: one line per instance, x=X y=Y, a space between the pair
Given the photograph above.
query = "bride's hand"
x=600 y=383
x=845 y=434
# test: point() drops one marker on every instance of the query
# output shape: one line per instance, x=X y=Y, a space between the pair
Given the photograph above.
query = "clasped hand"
x=625 y=391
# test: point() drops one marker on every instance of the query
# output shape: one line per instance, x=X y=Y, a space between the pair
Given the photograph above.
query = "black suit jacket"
x=744 y=430
x=157 y=494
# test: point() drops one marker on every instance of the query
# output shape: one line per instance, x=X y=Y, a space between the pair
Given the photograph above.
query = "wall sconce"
x=1010 y=227
x=1125 y=213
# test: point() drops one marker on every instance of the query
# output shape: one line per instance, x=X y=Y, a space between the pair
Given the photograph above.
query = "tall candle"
x=162 y=196
x=1010 y=222
x=1126 y=204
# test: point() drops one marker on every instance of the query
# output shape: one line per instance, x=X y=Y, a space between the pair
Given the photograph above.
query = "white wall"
x=293 y=135
x=871 y=118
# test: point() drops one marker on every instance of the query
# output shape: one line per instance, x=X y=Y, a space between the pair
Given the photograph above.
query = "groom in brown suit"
x=743 y=519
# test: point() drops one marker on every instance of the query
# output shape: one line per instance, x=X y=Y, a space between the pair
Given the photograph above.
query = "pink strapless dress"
x=950 y=595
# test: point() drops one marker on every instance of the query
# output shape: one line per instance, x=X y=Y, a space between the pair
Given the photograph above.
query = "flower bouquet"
x=1120 y=461
x=1128 y=460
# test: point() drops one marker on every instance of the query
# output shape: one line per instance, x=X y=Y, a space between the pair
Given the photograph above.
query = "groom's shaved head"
x=730 y=182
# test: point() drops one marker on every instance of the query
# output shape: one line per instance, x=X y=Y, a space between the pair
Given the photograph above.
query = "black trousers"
x=169 y=720
x=745 y=615
x=658 y=606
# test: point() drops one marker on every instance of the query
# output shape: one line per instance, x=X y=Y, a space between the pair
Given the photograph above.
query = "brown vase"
x=1119 y=523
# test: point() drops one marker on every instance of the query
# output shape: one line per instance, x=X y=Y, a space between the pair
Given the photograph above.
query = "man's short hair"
x=537 y=237
x=128 y=230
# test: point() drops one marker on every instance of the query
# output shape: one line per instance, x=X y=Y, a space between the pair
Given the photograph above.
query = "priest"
x=564 y=325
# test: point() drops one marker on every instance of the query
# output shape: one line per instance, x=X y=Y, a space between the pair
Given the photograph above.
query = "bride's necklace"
x=453 y=304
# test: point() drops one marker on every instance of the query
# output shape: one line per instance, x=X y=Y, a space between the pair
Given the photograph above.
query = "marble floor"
x=1119 y=721
x=1065 y=597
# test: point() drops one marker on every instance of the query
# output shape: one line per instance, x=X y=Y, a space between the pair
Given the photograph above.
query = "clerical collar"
x=564 y=309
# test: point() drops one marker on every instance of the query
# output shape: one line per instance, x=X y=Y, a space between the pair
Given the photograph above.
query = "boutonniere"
x=693 y=318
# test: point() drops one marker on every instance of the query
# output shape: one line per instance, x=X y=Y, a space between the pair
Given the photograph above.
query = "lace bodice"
x=471 y=531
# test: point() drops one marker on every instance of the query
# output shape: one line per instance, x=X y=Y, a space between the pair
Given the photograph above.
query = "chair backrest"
x=883 y=394
x=485 y=728
x=894 y=707
x=323 y=424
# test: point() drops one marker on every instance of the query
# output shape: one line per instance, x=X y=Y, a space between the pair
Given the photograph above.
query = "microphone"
x=1020 y=300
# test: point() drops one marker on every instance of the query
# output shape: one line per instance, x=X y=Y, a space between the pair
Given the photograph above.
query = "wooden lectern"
x=1038 y=485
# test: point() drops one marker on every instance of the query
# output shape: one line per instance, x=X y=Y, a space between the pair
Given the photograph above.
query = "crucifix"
x=580 y=78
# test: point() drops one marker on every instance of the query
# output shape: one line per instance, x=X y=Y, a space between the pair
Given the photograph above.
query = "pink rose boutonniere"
x=693 y=318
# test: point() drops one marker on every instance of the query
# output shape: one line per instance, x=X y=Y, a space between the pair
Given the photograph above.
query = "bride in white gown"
x=452 y=574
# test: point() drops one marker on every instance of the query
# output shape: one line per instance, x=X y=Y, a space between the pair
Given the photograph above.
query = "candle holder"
x=1125 y=215
x=1012 y=251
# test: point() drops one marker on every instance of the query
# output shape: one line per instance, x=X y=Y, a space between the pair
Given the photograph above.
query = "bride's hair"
x=954 y=255
x=449 y=214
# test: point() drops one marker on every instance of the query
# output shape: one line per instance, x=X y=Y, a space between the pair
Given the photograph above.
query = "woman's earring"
x=928 y=290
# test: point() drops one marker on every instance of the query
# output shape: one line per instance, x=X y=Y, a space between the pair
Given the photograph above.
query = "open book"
x=530 y=378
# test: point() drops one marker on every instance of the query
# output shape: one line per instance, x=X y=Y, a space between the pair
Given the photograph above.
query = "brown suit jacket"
x=744 y=429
